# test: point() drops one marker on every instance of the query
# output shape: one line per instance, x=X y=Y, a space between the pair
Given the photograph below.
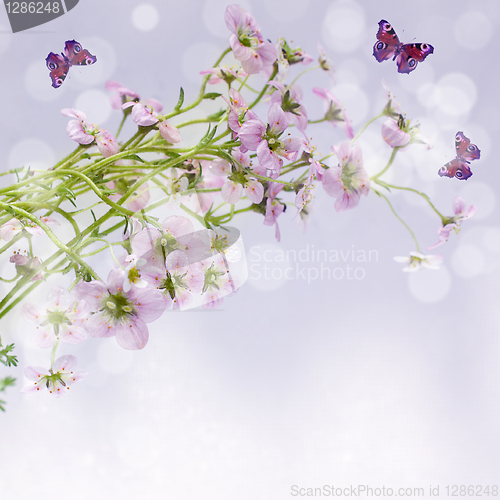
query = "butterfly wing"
x=77 y=55
x=411 y=54
x=58 y=67
x=388 y=42
x=465 y=149
x=455 y=168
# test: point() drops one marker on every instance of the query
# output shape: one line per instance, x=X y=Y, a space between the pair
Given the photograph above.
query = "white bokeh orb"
x=95 y=104
x=31 y=152
x=430 y=285
x=473 y=30
x=344 y=26
x=145 y=17
x=468 y=260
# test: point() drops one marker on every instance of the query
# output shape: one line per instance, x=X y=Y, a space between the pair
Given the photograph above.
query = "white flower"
x=418 y=260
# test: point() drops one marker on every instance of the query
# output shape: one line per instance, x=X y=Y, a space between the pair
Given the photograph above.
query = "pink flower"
x=325 y=62
x=223 y=74
x=392 y=108
x=240 y=181
x=348 y=180
x=61 y=318
x=336 y=112
x=133 y=272
x=255 y=136
x=288 y=56
x=179 y=281
x=417 y=261
x=238 y=112
x=315 y=169
x=393 y=135
x=155 y=245
x=274 y=209
x=141 y=114
x=303 y=197
x=26 y=265
x=83 y=132
x=290 y=100
x=28 y=227
x=454 y=223
x=120 y=313
x=57 y=379
x=106 y=143
x=124 y=94
x=170 y=133
x=79 y=130
x=209 y=180
x=231 y=192
x=217 y=282
x=249 y=46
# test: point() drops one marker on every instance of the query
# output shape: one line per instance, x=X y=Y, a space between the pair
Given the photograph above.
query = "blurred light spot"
x=31 y=152
x=426 y=94
x=355 y=101
x=473 y=30
x=267 y=265
x=344 y=26
x=145 y=17
x=455 y=94
x=95 y=104
x=39 y=85
x=423 y=76
x=199 y=57
x=491 y=239
x=5 y=39
x=429 y=285
x=113 y=358
x=468 y=261
x=481 y=195
x=351 y=71
x=294 y=10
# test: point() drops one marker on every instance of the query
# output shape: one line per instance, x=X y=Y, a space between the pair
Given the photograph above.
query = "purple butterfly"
x=466 y=152
x=74 y=54
x=408 y=55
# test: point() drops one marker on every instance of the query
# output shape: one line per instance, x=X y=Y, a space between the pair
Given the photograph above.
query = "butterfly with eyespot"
x=466 y=152
x=74 y=55
x=408 y=55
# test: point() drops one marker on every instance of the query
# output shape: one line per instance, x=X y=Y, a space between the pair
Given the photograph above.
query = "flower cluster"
x=256 y=156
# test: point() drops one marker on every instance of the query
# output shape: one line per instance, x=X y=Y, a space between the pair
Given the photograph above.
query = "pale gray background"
x=391 y=380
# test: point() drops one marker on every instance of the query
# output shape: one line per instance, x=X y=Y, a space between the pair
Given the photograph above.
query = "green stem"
x=355 y=138
x=423 y=195
x=53 y=355
x=263 y=91
x=399 y=218
x=389 y=163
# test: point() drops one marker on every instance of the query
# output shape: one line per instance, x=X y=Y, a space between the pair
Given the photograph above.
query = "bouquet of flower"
x=257 y=154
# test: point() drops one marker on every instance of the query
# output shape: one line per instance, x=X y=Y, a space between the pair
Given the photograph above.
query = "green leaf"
x=215 y=117
x=133 y=157
x=4 y=353
x=180 y=102
x=6 y=382
x=208 y=136
x=211 y=95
